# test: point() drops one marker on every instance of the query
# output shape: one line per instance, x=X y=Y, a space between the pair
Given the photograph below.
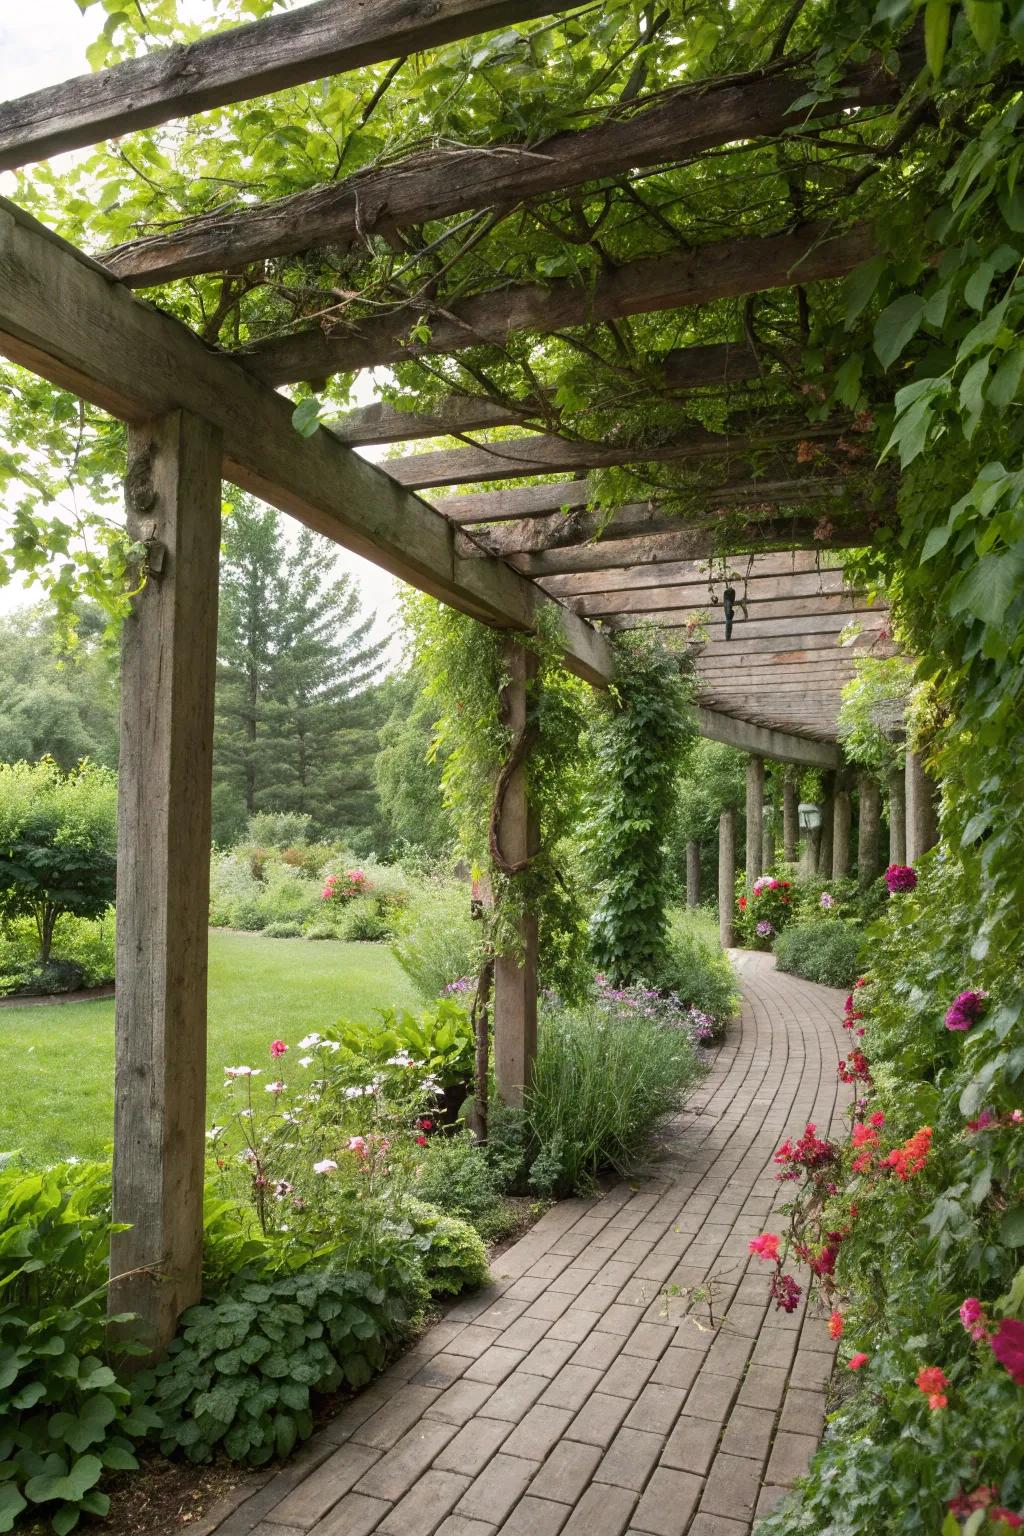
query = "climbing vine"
x=642 y=737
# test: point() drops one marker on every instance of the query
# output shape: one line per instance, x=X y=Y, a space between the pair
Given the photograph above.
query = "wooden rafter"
x=253 y=60
x=676 y=544
x=758 y=594
x=439 y=182
x=750 y=568
x=680 y=280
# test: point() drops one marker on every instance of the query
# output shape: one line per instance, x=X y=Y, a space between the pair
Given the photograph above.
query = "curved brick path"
x=576 y=1396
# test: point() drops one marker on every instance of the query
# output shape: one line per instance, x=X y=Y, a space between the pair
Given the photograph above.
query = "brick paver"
x=624 y=1375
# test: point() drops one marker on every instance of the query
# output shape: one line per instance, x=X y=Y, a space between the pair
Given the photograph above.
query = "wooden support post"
x=692 y=874
x=842 y=821
x=163 y=864
x=897 y=817
x=921 y=812
x=790 y=818
x=727 y=878
x=827 y=843
x=515 y=975
x=755 y=819
x=868 y=825
x=768 y=839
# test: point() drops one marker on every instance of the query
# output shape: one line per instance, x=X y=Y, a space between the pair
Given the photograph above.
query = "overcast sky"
x=41 y=43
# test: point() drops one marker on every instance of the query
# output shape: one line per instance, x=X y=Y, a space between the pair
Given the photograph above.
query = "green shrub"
x=696 y=968
x=321 y=931
x=602 y=1083
x=232 y=887
x=65 y=1418
x=278 y=829
x=362 y=921
x=283 y=931
x=240 y=1374
x=455 y=1173
x=438 y=942
x=454 y=1258
x=827 y=952
x=439 y=1039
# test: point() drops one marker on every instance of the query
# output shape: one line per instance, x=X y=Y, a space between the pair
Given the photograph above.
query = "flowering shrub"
x=346 y=887
x=765 y=912
x=912 y=1229
x=900 y=878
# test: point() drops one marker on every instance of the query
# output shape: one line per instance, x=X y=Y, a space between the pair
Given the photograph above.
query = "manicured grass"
x=58 y=1062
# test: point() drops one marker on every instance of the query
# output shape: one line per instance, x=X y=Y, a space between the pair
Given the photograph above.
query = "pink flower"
x=974 y=1319
x=900 y=877
x=878 y=1120
x=835 y=1325
x=966 y=1010
x=421 y=1141
x=1009 y=1519
x=277 y=1087
x=358 y=1144
x=766 y=1246
x=277 y=1048
x=856 y=1361
x=1008 y=1347
x=325 y=1165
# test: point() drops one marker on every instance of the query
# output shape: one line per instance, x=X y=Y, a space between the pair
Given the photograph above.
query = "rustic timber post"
x=868 y=826
x=692 y=874
x=768 y=839
x=168 y=660
x=842 y=821
x=790 y=818
x=827 y=843
x=515 y=975
x=897 y=817
x=755 y=819
x=922 y=817
x=727 y=878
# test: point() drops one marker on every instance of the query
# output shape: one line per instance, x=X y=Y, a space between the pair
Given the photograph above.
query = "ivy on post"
x=166 y=774
x=514 y=842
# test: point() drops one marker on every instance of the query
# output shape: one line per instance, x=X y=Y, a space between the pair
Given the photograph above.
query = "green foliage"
x=453 y=1255
x=60 y=698
x=58 y=843
x=456 y=1175
x=696 y=970
x=279 y=829
x=240 y=1374
x=87 y=956
x=872 y=710
x=439 y=1040
x=65 y=1418
x=364 y=921
x=283 y=931
x=604 y=1079
x=641 y=741
x=408 y=771
x=828 y=952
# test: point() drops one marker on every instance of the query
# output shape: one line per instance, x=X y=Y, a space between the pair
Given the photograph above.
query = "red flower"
x=1007 y=1516
x=277 y=1048
x=766 y=1246
x=930 y=1380
x=912 y=1156
x=856 y=1361
x=421 y=1141
x=835 y=1326
x=1008 y=1347
x=743 y=903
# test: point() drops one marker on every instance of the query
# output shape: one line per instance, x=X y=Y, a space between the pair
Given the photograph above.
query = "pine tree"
x=296 y=713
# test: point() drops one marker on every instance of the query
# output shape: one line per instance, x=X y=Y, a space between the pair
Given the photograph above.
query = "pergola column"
x=727 y=878
x=790 y=818
x=897 y=817
x=921 y=811
x=842 y=822
x=827 y=843
x=167 y=679
x=692 y=873
x=755 y=818
x=515 y=975
x=868 y=826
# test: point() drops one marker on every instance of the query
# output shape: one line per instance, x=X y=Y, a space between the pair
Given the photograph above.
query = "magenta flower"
x=1008 y=1347
x=900 y=877
x=966 y=1010
x=974 y=1319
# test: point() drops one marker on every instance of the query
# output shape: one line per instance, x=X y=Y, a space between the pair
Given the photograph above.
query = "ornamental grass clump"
x=605 y=1078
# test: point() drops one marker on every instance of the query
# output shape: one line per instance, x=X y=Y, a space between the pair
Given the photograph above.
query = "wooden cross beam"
x=440 y=182
x=775 y=629
x=766 y=741
x=253 y=60
x=750 y=568
x=679 y=280
x=759 y=594
x=537 y=455
x=672 y=540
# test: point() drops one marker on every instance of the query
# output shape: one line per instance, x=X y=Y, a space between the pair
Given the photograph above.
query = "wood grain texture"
x=727 y=878
x=755 y=593
x=62 y=317
x=445 y=180
x=754 y=570
x=755 y=820
x=165 y=778
x=681 y=280
x=747 y=736
x=673 y=542
x=253 y=60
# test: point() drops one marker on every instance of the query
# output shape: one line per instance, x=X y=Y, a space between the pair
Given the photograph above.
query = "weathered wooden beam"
x=253 y=60
x=680 y=280
x=754 y=808
x=754 y=629
x=713 y=619
x=539 y=455
x=867 y=642
x=752 y=569
x=726 y=874
x=442 y=181
x=62 y=317
x=680 y=543
x=756 y=593
x=780 y=745
x=169 y=653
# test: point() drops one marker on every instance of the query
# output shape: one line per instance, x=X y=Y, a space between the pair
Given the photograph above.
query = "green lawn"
x=58 y=1084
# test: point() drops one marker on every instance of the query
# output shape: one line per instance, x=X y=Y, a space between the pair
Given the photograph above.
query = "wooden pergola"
x=196 y=413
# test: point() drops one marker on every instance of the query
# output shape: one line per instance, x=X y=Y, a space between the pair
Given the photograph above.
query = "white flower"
x=331 y=1045
x=359 y=1093
x=401 y=1060
x=326 y=1165
x=308 y=1043
x=233 y=1072
x=305 y=1061
x=287 y=1115
x=248 y=1156
x=215 y=1133
x=281 y=1189
x=277 y=1087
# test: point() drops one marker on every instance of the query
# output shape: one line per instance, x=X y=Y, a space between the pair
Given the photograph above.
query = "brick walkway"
x=586 y=1392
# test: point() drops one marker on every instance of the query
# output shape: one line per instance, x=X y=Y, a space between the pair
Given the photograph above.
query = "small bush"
x=438 y=942
x=321 y=931
x=279 y=829
x=456 y=1174
x=601 y=1085
x=454 y=1258
x=826 y=952
x=233 y=886
x=283 y=931
x=697 y=969
x=363 y=922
